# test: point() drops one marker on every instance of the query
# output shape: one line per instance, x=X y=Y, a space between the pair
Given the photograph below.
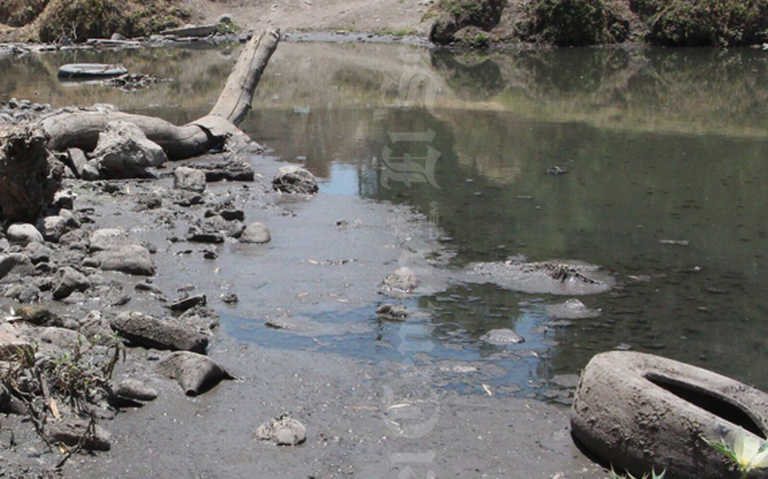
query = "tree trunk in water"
x=80 y=129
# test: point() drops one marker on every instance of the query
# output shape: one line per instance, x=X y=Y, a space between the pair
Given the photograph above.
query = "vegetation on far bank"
x=721 y=23
x=54 y=21
x=470 y=23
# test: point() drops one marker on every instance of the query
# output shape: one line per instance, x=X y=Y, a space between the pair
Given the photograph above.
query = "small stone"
x=69 y=280
x=283 y=431
x=502 y=337
x=255 y=233
x=135 y=390
x=189 y=179
x=54 y=227
x=189 y=302
x=230 y=298
x=392 y=312
x=402 y=279
x=23 y=233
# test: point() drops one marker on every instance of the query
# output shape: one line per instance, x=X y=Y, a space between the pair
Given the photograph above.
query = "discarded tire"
x=638 y=411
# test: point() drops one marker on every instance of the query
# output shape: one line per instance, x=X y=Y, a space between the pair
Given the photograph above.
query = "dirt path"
x=379 y=16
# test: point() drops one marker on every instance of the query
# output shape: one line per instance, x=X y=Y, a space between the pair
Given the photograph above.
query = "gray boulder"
x=131 y=259
x=255 y=233
x=502 y=337
x=123 y=151
x=54 y=227
x=24 y=233
x=293 y=179
x=69 y=280
x=189 y=179
x=402 y=280
x=15 y=264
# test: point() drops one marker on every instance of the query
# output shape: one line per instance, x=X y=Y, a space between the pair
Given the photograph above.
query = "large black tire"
x=638 y=411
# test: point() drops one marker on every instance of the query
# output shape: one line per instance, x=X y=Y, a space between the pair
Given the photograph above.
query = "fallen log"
x=80 y=129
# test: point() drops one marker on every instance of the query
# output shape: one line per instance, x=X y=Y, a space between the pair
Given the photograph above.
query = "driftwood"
x=80 y=129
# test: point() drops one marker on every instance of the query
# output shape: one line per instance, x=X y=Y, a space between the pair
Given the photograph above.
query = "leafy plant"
x=747 y=451
x=645 y=476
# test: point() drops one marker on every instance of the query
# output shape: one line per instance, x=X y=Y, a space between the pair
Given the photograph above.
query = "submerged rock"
x=392 y=312
x=283 y=431
x=502 y=337
x=402 y=280
x=546 y=277
x=571 y=309
x=293 y=179
x=195 y=373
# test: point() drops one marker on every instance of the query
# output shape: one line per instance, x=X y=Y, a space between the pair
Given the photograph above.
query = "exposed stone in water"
x=255 y=233
x=293 y=179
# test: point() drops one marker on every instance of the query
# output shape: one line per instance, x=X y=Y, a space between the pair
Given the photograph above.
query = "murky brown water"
x=664 y=153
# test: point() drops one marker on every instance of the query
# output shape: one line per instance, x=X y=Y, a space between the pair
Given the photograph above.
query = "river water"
x=661 y=155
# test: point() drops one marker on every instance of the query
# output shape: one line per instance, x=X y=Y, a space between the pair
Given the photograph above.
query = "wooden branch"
x=80 y=128
x=235 y=100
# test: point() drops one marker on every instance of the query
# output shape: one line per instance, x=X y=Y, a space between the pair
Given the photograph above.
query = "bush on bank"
x=704 y=22
x=590 y=22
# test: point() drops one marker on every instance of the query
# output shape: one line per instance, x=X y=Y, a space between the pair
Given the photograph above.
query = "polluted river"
x=550 y=205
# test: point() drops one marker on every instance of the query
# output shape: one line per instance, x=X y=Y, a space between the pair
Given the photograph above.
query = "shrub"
x=576 y=22
x=83 y=19
x=705 y=22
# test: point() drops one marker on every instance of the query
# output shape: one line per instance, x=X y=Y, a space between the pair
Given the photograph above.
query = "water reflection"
x=660 y=146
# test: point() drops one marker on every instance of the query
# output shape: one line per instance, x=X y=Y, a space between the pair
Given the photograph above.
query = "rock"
x=54 y=227
x=23 y=233
x=39 y=316
x=109 y=238
x=75 y=240
x=229 y=298
x=15 y=264
x=13 y=346
x=202 y=318
x=131 y=259
x=218 y=223
x=229 y=171
x=131 y=392
x=64 y=199
x=68 y=281
x=392 y=312
x=29 y=175
x=571 y=309
x=197 y=236
x=189 y=179
x=402 y=280
x=77 y=162
x=150 y=332
x=96 y=329
x=283 y=431
x=189 y=302
x=502 y=337
x=62 y=338
x=255 y=233
x=91 y=171
x=23 y=293
x=195 y=373
x=70 y=431
x=123 y=151
x=293 y=179
x=38 y=252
